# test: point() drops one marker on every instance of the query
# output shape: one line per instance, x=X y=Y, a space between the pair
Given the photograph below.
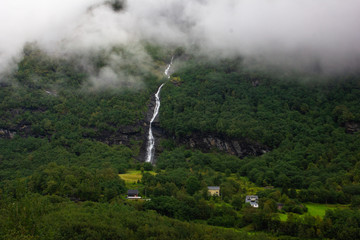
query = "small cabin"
x=214 y=190
x=133 y=194
x=253 y=200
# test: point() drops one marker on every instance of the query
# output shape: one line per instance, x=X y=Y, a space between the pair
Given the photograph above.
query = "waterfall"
x=151 y=140
x=168 y=68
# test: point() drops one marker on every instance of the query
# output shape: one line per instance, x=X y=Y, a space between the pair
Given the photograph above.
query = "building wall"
x=214 y=192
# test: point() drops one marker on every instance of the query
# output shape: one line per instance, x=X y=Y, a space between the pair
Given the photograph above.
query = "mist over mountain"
x=248 y=111
x=297 y=33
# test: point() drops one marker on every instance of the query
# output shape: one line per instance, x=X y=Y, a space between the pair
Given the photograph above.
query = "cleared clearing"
x=133 y=176
x=316 y=210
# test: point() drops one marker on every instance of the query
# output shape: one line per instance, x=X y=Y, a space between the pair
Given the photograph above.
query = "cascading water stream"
x=168 y=68
x=151 y=140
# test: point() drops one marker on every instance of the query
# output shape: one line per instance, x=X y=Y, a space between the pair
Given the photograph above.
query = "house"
x=280 y=206
x=214 y=190
x=253 y=200
x=133 y=194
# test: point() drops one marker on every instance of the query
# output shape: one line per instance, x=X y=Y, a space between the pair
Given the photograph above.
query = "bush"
x=148 y=166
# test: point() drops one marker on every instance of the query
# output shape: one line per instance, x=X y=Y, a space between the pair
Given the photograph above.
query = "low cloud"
x=298 y=33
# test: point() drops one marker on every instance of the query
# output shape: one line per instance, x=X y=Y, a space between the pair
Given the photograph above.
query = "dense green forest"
x=303 y=118
x=60 y=158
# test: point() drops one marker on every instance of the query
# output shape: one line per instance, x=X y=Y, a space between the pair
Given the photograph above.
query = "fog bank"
x=281 y=32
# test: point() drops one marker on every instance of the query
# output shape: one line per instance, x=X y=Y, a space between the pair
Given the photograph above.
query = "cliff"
x=238 y=147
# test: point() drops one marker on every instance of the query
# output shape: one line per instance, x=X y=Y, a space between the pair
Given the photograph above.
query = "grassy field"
x=132 y=176
x=316 y=209
x=283 y=217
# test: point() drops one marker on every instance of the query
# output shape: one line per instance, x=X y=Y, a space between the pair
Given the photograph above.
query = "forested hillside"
x=310 y=122
x=51 y=112
x=64 y=141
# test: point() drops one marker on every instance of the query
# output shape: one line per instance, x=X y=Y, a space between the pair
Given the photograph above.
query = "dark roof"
x=249 y=197
x=213 y=188
x=132 y=192
x=252 y=196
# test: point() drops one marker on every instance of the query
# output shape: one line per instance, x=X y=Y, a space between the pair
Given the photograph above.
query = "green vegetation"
x=131 y=176
x=302 y=118
x=49 y=217
x=315 y=209
x=65 y=172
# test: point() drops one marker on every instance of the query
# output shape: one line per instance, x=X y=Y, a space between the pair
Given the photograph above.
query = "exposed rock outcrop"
x=352 y=127
x=123 y=135
x=23 y=129
x=238 y=147
x=8 y=134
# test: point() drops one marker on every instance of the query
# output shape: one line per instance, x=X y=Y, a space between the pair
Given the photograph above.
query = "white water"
x=168 y=68
x=151 y=140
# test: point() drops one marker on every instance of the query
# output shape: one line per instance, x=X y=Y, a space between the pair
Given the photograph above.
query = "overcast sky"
x=275 y=30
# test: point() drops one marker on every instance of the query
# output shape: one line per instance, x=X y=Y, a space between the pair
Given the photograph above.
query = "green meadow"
x=317 y=209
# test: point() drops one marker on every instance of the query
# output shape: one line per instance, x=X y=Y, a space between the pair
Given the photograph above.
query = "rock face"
x=352 y=127
x=8 y=134
x=159 y=134
x=123 y=135
x=22 y=129
x=237 y=147
x=150 y=111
